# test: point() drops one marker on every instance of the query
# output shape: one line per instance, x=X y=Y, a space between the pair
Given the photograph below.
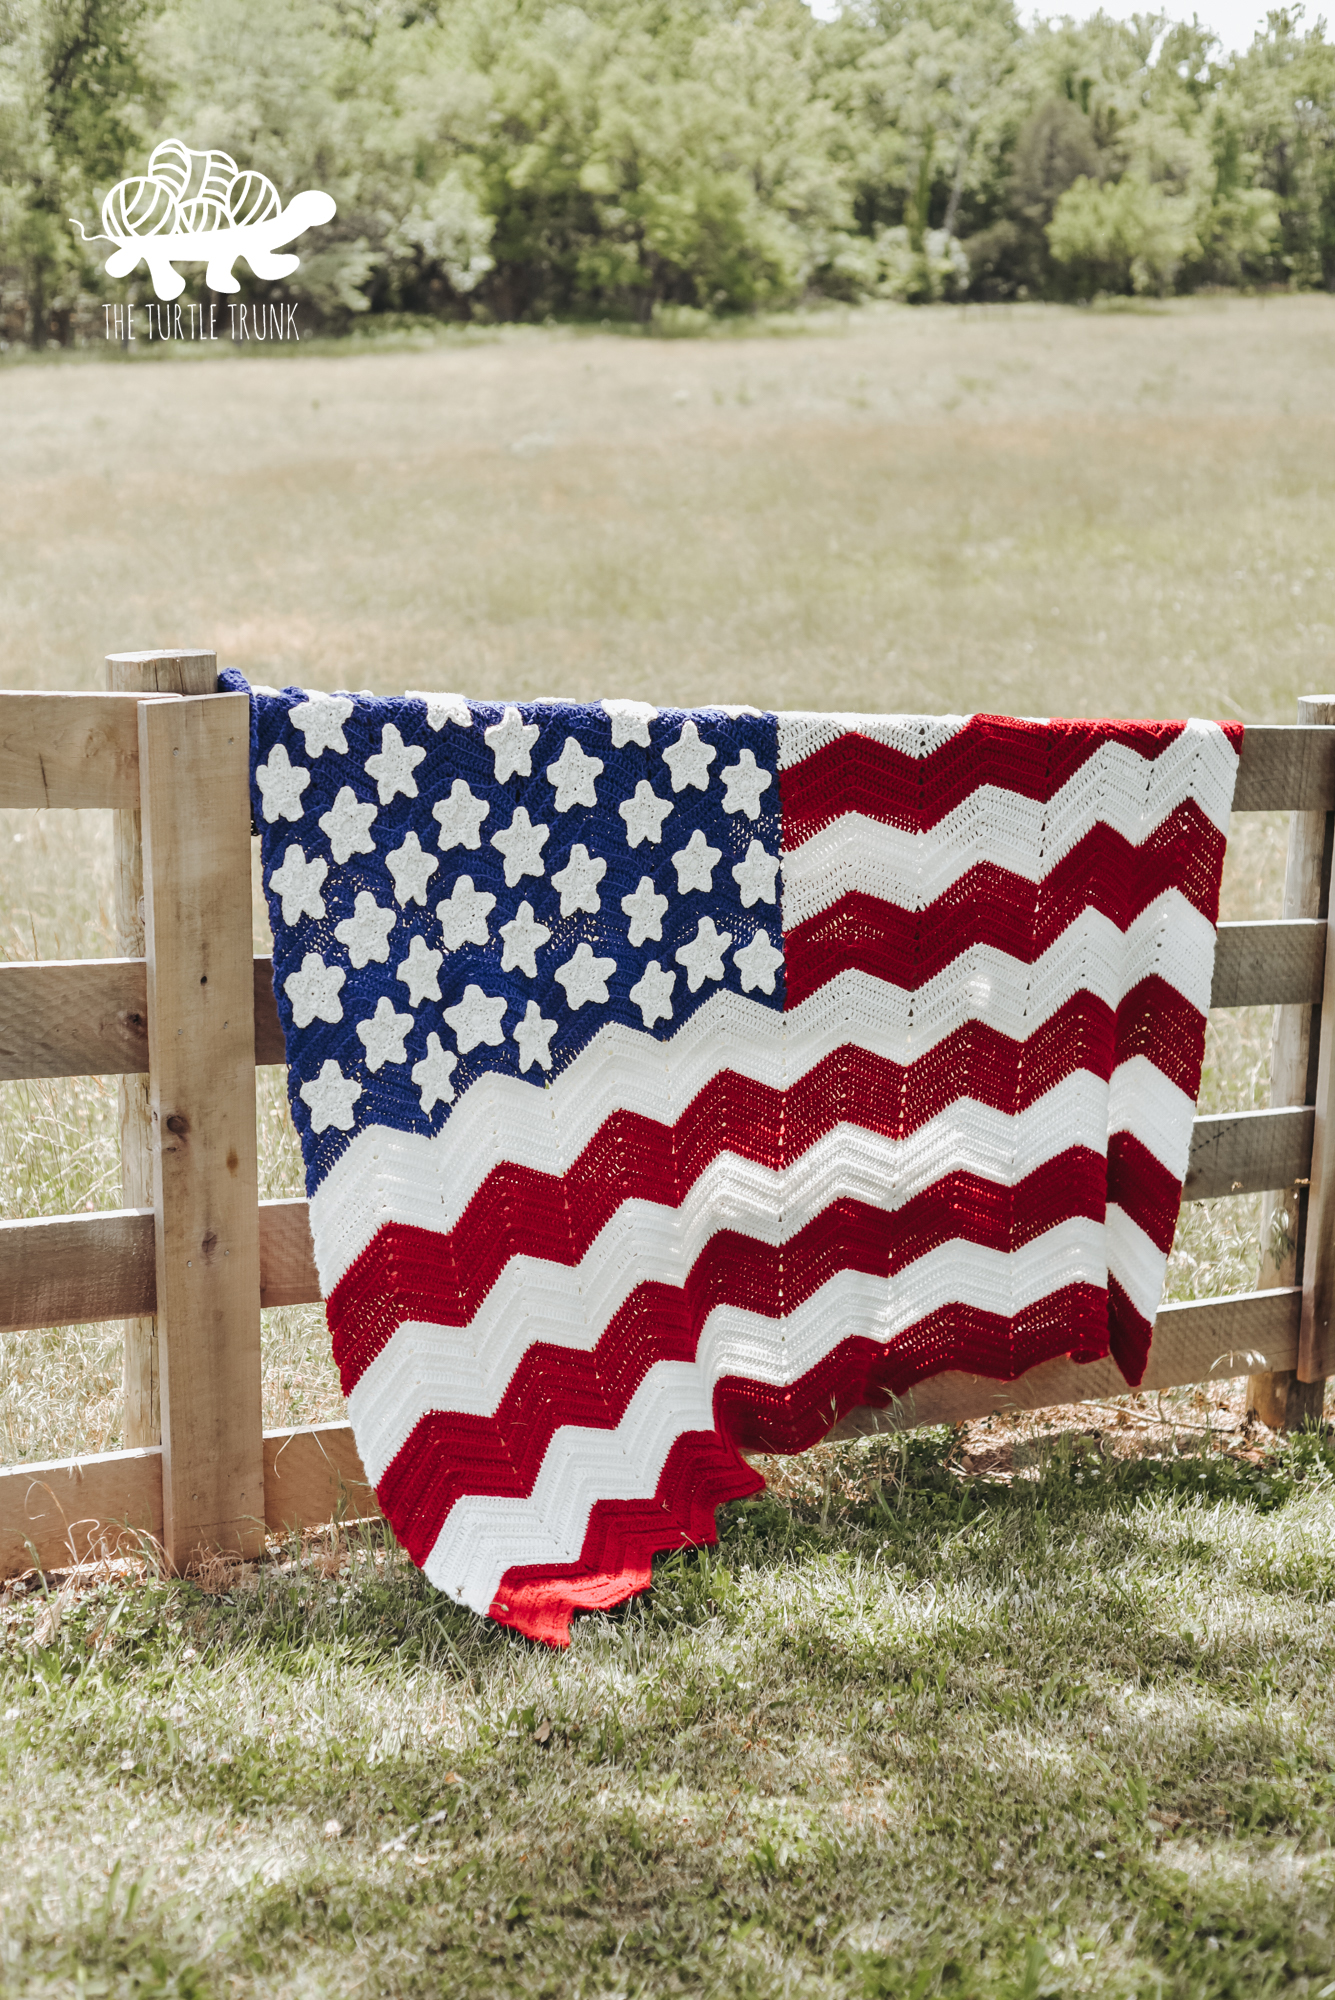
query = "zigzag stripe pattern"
x=915 y=1095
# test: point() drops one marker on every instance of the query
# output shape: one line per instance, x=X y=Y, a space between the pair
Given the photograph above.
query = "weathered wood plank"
x=69 y=750
x=314 y=1475
x=269 y=1047
x=288 y=1276
x=73 y=1017
x=84 y=1267
x=1278 y=1398
x=89 y=1017
x=193 y=764
x=1243 y=1152
x=174 y=673
x=1286 y=768
x=1316 y=1341
x=67 y=1511
x=1269 y=965
x=1205 y=1339
x=66 y=1270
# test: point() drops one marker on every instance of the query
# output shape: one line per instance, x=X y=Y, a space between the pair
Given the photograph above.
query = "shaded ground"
x=919 y=1731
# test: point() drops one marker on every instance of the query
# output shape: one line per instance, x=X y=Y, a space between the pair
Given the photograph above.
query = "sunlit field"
x=990 y=1714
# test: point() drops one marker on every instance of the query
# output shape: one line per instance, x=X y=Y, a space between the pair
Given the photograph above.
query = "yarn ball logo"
x=194 y=207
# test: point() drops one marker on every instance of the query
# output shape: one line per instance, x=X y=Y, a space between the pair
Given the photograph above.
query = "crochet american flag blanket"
x=670 y=1083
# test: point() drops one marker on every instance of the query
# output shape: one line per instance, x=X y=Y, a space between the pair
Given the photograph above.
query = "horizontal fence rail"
x=1286 y=767
x=69 y=1510
x=66 y=1270
x=70 y=750
x=1246 y=1152
x=1269 y=964
x=81 y=751
x=91 y=1017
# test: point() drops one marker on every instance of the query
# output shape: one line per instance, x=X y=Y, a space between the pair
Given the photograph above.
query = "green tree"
x=75 y=102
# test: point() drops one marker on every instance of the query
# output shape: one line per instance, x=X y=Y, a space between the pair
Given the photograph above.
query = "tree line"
x=642 y=159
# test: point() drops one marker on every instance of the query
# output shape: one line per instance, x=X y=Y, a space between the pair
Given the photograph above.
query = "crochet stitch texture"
x=670 y=1083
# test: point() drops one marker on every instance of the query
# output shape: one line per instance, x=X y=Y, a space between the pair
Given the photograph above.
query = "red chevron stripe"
x=624 y=1536
x=1144 y=1189
x=1033 y=759
x=1129 y=1334
x=451 y=1453
x=704 y=1468
x=990 y=906
x=444 y=1276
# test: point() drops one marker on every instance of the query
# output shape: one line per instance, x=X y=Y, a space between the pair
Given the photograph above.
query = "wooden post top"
x=174 y=670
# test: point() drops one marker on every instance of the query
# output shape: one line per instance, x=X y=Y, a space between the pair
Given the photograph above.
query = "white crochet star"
x=477 y=1018
x=460 y=816
x=298 y=882
x=695 y=864
x=432 y=1075
x=534 y=1036
x=703 y=956
x=418 y=972
x=524 y=937
x=646 y=909
x=349 y=826
x=585 y=977
x=745 y=781
x=521 y=843
x=393 y=765
x=443 y=708
x=652 y=993
x=630 y=722
x=412 y=870
x=314 y=991
x=510 y=741
x=366 y=931
x=384 y=1034
x=463 y=914
x=644 y=814
x=578 y=881
x=573 y=774
x=758 y=962
x=320 y=718
x=689 y=759
x=281 y=784
x=330 y=1096
x=755 y=876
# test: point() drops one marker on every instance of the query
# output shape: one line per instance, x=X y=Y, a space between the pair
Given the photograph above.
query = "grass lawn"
x=969 y=1714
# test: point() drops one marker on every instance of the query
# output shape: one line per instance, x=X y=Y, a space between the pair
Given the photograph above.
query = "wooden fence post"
x=180 y=672
x=194 y=777
x=1284 y=1400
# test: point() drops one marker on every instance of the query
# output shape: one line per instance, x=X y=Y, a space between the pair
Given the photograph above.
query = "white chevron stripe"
x=386 y=1175
x=1142 y=1101
x=484 y=1536
x=803 y=731
x=1027 y=837
x=1135 y=1262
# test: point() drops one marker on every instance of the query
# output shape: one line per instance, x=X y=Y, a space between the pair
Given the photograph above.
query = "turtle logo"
x=194 y=207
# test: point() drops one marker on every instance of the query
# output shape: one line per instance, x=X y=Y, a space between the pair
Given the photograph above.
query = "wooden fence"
x=189 y=1262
